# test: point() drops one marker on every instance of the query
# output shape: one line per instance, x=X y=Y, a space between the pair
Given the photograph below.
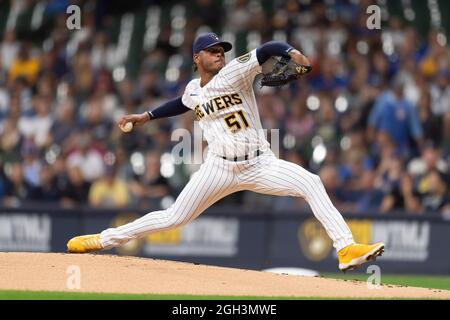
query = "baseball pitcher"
x=239 y=157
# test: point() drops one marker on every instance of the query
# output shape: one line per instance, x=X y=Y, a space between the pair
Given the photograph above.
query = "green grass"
x=422 y=281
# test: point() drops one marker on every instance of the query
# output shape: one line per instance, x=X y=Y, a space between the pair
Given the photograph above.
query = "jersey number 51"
x=233 y=123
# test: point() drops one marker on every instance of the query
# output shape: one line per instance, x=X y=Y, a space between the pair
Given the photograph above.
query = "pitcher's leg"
x=283 y=178
x=208 y=185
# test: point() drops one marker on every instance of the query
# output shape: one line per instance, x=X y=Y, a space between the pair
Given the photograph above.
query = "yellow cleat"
x=354 y=255
x=84 y=244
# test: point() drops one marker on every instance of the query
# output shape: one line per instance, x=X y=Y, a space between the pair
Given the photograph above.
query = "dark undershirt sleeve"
x=272 y=48
x=171 y=108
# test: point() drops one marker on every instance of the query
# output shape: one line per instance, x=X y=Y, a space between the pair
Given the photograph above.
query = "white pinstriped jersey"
x=226 y=108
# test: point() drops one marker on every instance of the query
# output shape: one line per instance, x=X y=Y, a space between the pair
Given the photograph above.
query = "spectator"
x=83 y=77
x=329 y=79
x=19 y=88
x=101 y=53
x=24 y=65
x=339 y=196
x=60 y=175
x=65 y=123
x=38 y=126
x=436 y=197
x=271 y=108
x=10 y=136
x=327 y=121
x=434 y=55
x=109 y=191
x=388 y=182
x=8 y=49
x=430 y=159
x=87 y=158
x=432 y=123
x=148 y=188
x=17 y=190
x=31 y=163
x=76 y=191
x=410 y=195
x=370 y=198
x=380 y=72
x=45 y=87
x=124 y=168
x=351 y=171
x=301 y=122
x=48 y=191
x=397 y=116
x=440 y=93
x=104 y=93
x=95 y=120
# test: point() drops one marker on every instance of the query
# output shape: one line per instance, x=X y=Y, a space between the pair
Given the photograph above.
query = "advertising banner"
x=413 y=245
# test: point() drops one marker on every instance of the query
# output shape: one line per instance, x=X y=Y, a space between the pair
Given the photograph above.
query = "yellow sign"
x=361 y=230
x=165 y=237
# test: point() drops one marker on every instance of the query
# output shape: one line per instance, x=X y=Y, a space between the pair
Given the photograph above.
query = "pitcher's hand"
x=138 y=119
x=299 y=58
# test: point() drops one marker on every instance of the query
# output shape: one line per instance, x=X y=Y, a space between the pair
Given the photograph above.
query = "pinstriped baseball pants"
x=218 y=178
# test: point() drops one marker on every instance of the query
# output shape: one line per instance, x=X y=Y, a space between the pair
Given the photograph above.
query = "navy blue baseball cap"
x=207 y=40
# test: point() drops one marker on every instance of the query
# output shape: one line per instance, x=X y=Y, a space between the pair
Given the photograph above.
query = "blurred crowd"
x=372 y=119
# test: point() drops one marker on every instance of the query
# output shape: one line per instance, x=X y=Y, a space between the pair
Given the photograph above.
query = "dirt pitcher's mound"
x=108 y=273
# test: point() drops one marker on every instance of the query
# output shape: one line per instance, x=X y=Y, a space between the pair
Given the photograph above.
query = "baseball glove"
x=284 y=71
